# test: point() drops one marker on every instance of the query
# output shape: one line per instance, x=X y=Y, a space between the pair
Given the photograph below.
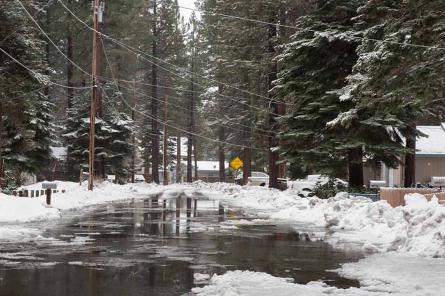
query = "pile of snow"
x=390 y=274
x=246 y=283
x=417 y=228
x=398 y=274
x=22 y=209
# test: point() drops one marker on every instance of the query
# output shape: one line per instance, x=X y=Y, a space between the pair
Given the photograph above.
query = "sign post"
x=236 y=163
x=49 y=189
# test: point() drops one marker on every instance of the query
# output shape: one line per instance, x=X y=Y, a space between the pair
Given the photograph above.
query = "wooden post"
x=165 y=158
x=93 y=97
x=48 y=196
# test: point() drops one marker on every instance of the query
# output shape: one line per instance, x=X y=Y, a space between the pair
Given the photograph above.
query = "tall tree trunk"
x=2 y=167
x=195 y=158
x=189 y=159
x=192 y=121
x=178 y=160
x=70 y=168
x=355 y=168
x=221 y=156
x=69 y=66
x=154 y=103
x=410 y=157
x=273 y=138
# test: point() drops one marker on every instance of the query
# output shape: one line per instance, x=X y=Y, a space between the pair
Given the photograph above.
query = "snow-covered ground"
x=405 y=245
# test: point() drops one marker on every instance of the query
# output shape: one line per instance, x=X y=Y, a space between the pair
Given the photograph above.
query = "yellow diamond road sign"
x=236 y=163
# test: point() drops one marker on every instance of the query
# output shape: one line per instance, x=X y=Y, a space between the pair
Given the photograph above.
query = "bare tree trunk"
x=154 y=103
x=355 y=168
x=195 y=157
x=178 y=160
x=189 y=159
x=273 y=138
x=410 y=157
x=221 y=156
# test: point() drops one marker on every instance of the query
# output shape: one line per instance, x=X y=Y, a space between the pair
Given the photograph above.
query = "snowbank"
x=15 y=210
x=246 y=283
x=379 y=275
x=417 y=228
x=20 y=209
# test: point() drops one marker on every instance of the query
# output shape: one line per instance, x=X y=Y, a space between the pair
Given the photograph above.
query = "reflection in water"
x=154 y=246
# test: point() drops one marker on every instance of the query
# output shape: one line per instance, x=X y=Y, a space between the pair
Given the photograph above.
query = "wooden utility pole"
x=93 y=97
x=165 y=158
x=133 y=137
x=154 y=102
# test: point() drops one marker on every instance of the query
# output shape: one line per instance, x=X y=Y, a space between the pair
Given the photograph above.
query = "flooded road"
x=155 y=247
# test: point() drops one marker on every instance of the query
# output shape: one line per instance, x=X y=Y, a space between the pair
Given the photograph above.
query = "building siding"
x=429 y=166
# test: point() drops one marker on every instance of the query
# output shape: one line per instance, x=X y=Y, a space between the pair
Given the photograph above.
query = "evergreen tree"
x=24 y=108
x=315 y=65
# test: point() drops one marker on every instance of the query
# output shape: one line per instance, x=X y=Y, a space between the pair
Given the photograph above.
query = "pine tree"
x=25 y=122
x=316 y=64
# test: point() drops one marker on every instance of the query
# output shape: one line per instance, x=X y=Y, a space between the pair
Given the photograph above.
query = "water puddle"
x=161 y=247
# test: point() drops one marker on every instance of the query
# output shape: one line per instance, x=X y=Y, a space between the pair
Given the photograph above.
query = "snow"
x=20 y=209
x=405 y=246
x=434 y=143
x=379 y=275
x=417 y=228
x=59 y=153
x=210 y=166
x=246 y=283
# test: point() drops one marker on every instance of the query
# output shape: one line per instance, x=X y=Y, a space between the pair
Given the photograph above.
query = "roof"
x=59 y=153
x=434 y=143
x=210 y=166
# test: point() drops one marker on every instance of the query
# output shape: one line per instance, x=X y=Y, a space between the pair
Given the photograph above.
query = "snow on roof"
x=212 y=166
x=434 y=143
x=59 y=153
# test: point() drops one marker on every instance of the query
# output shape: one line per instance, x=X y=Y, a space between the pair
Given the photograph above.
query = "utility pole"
x=133 y=137
x=93 y=97
x=165 y=158
x=154 y=102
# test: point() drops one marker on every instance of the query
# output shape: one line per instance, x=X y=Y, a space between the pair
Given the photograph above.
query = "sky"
x=186 y=3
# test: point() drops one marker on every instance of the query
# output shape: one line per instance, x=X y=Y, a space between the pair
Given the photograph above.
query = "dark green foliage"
x=25 y=124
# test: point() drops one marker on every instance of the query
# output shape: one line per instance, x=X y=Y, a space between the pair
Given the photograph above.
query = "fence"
x=33 y=192
x=395 y=196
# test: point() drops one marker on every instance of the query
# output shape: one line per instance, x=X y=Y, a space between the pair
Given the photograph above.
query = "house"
x=57 y=166
x=430 y=160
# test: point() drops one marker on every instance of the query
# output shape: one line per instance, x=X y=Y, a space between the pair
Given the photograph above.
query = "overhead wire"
x=38 y=74
x=118 y=86
x=143 y=55
x=50 y=40
x=165 y=123
x=309 y=30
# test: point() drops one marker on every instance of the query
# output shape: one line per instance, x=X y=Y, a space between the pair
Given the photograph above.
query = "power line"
x=152 y=117
x=50 y=40
x=38 y=74
x=309 y=30
x=185 y=131
x=188 y=110
x=138 y=53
